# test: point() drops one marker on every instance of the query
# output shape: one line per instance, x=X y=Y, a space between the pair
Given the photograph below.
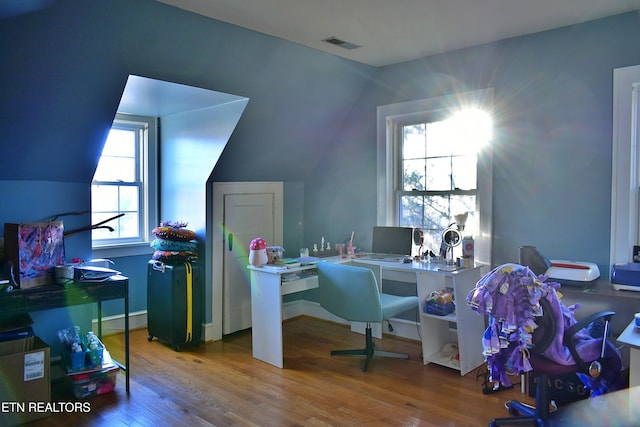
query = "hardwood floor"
x=221 y=384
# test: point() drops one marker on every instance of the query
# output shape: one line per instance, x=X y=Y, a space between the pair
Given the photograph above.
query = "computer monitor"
x=392 y=240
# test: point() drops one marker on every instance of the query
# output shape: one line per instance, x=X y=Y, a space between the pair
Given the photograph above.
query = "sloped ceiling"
x=389 y=32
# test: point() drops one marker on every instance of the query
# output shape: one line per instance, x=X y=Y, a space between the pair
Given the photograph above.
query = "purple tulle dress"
x=510 y=296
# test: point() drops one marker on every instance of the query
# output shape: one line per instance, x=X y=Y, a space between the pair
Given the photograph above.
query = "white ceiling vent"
x=341 y=43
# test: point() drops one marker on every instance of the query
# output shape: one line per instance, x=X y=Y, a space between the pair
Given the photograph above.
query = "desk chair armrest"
x=570 y=333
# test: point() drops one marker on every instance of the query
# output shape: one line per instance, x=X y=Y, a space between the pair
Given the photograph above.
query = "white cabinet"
x=459 y=333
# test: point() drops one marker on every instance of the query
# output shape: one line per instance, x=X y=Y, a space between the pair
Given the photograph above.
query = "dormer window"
x=124 y=183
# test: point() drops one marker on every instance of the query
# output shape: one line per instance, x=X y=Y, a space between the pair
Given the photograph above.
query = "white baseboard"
x=138 y=320
x=207 y=332
x=115 y=324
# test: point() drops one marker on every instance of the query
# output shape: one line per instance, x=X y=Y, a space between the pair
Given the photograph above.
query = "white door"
x=246 y=216
x=239 y=211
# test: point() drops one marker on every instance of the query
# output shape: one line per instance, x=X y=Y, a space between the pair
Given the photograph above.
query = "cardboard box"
x=26 y=380
x=19 y=345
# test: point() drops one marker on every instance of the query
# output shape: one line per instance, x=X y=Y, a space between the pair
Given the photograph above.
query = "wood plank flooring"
x=221 y=384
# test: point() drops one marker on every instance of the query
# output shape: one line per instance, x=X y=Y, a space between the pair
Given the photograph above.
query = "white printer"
x=570 y=273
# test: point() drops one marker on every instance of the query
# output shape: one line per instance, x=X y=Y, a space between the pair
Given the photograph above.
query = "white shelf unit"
x=462 y=328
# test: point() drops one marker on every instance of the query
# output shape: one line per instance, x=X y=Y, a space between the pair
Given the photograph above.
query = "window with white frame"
x=625 y=187
x=123 y=187
x=434 y=164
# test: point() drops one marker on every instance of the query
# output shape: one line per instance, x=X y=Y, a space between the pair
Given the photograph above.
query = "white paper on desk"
x=93 y=274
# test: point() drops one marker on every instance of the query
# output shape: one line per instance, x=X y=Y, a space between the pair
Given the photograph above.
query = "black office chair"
x=558 y=345
x=352 y=293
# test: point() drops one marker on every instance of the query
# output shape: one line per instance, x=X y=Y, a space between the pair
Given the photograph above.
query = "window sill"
x=122 y=250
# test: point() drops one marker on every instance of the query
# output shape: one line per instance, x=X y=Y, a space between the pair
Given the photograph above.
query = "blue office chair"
x=352 y=293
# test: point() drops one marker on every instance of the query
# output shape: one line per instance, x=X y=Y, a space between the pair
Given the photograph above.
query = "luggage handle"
x=158 y=266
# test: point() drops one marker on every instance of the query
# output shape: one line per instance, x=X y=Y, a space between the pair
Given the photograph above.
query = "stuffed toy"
x=174 y=243
x=174 y=231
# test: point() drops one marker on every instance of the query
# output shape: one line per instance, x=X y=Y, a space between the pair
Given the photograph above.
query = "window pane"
x=413 y=175
x=120 y=142
x=464 y=172
x=129 y=197
x=104 y=233
x=462 y=204
x=434 y=214
x=116 y=169
x=439 y=174
x=438 y=139
x=413 y=142
x=104 y=198
x=431 y=213
x=412 y=211
x=427 y=212
x=119 y=157
x=128 y=225
x=124 y=227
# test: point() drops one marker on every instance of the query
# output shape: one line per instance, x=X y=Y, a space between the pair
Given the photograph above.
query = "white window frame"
x=388 y=116
x=149 y=207
x=625 y=164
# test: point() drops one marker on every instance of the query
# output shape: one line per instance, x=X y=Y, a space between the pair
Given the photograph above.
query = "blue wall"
x=552 y=148
x=65 y=67
x=311 y=118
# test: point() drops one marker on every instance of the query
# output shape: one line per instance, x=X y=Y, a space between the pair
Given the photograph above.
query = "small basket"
x=76 y=352
x=438 y=308
x=439 y=303
x=76 y=360
x=94 y=357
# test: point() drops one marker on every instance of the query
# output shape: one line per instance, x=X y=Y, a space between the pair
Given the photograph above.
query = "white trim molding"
x=625 y=179
x=387 y=115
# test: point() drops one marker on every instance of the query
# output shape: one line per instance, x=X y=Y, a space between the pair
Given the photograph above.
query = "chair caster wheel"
x=149 y=338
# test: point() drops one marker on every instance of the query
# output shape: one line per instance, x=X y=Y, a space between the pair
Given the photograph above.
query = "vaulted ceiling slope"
x=66 y=64
x=389 y=32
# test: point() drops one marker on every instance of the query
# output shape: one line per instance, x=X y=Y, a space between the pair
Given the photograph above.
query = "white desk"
x=631 y=337
x=267 y=289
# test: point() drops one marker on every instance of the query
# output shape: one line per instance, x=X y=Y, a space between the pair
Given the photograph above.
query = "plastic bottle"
x=468 y=247
x=92 y=341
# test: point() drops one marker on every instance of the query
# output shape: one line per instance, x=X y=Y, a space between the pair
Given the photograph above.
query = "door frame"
x=625 y=166
x=220 y=190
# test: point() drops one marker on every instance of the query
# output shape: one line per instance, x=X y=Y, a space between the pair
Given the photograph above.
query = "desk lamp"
x=461 y=220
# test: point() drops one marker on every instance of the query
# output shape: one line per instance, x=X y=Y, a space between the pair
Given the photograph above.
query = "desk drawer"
x=106 y=291
x=54 y=298
x=299 y=285
x=9 y=302
x=75 y=295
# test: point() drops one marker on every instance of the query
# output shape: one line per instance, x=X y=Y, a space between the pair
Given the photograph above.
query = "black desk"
x=56 y=296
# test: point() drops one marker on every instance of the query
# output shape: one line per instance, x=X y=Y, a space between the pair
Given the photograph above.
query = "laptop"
x=391 y=242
